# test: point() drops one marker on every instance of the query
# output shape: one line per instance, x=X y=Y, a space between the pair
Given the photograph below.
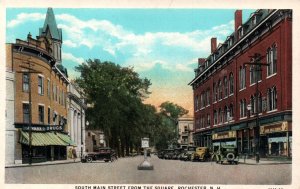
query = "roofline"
x=244 y=37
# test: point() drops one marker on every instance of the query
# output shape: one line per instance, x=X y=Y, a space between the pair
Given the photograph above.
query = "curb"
x=40 y=164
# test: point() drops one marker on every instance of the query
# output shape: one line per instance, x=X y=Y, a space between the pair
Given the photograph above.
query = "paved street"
x=125 y=171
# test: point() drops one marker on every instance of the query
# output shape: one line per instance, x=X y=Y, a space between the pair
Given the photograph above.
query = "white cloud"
x=71 y=57
x=69 y=43
x=25 y=17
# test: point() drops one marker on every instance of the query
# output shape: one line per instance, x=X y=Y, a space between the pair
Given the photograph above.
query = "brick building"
x=243 y=89
x=47 y=85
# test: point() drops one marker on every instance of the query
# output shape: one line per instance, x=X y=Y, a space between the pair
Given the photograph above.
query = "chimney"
x=237 y=19
x=213 y=44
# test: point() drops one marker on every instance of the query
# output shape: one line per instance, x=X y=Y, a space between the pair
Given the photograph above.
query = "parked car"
x=161 y=154
x=103 y=154
x=188 y=154
x=201 y=154
x=176 y=153
x=228 y=154
x=169 y=154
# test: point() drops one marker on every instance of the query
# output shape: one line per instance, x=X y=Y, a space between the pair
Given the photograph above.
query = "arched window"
x=231 y=83
x=208 y=96
x=208 y=120
x=243 y=108
x=231 y=112
x=272 y=60
x=226 y=114
x=220 y=116
x=242 y=76
x=215 y=117
x=215 y=92
x=272 y=98
x=196 y=103
x=220 y=90
x=252 y=103
x=225 y=87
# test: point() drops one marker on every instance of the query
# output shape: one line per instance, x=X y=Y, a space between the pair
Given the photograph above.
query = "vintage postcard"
x=131 y=95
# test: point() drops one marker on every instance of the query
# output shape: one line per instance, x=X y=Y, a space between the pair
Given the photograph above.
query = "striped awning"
x=66 y=138
x=43 y=139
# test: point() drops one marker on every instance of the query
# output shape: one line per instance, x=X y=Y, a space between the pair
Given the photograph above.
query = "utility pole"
x=256 y=62
x=29 y=71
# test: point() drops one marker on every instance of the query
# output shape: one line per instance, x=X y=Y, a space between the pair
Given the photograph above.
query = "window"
x=208 y=96
x=231 y=83
x=243 y=108
x=25 y=82
x=253 y=105
x=54 y=91
x=241 y=32
x=272 y=99
x=259 y=108
x=220 y=90
x=208 y=120
x=48 y=88
x=272 y=60
x=242 y=77
x=215 y=92
x=253 y=20
x=255 y=73
x=220 y=116
x=40 y=85
x=231 y=113
x=226 y=114
x=215 y=117
x=26 y=113
x=196 y=103
x=225 y=87
x=49 y=115
x=202 y=100
x=41 y=114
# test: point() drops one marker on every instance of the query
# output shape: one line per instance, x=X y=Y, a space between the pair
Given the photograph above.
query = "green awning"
x=66 y=138
x=42 y=139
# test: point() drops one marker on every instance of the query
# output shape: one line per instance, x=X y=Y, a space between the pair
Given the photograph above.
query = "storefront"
x=227 y=138
x=277 y=138
x=46 y=146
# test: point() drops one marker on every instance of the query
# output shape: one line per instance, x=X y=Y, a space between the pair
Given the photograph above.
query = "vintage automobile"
x=226 y=154
x=103 y=154
x=176 y=153
x=169 y=154
x=188 y=154
x=201 y=154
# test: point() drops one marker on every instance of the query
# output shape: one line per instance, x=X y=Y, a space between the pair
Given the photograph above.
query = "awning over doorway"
x=43 y=139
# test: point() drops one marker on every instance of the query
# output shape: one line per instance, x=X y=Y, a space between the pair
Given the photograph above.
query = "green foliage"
x=116 y=94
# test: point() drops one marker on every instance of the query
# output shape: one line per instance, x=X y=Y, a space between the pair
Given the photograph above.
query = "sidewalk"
x=44 y=163
x=265 y=161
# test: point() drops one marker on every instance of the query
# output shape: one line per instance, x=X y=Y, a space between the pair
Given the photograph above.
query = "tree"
x=116 y=94
x=169 y=114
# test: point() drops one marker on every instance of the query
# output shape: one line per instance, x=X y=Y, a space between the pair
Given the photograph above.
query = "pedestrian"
x=74 y=154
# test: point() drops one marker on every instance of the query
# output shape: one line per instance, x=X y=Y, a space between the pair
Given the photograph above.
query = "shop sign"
x=44 y=128
x=274 y=128
x=278 y=139
x=224 y=135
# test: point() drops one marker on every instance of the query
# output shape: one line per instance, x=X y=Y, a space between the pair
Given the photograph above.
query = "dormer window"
x=240 y=32
x=253 y=20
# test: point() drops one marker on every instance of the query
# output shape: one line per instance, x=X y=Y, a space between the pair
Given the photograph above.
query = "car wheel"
x=89 y=159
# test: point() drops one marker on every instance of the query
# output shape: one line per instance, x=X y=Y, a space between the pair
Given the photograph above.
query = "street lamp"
x=255 y=61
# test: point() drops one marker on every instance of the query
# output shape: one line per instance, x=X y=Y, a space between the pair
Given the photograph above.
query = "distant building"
x=94 y=139
x=242 y=104
x=76 y=117
x=185 y=127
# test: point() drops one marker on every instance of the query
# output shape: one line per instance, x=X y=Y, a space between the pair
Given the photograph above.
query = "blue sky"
x=161 y=44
